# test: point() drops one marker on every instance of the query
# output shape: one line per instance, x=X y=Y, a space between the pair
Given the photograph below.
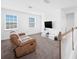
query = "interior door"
x=70 y=17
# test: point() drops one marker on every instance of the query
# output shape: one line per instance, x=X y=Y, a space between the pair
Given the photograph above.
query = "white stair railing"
x=60 y=38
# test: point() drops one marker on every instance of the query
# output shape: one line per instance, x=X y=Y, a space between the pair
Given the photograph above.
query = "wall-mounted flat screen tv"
x=48 y=24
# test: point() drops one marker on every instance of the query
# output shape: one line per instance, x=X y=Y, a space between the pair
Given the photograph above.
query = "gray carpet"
x=46 y=49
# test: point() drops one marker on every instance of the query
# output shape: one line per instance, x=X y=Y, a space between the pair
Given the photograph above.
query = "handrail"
x=63 y=34
x=60 y=35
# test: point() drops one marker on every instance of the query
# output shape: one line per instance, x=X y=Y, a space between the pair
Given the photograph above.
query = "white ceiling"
x=52 y=3
x=38 y=6
x=41 y=3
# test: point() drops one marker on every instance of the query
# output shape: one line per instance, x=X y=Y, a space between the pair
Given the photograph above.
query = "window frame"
x=6 y=22
x=32 y=22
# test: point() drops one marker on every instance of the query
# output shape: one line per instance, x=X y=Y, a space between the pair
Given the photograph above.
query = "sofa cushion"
x=24 y=38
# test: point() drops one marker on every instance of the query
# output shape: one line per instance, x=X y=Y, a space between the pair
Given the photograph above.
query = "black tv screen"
x=48 y=24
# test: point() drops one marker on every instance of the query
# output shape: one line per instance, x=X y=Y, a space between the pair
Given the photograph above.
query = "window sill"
x=11 y=29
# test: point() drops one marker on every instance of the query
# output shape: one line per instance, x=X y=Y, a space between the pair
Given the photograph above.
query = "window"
x=31 y=22
x=11 y=21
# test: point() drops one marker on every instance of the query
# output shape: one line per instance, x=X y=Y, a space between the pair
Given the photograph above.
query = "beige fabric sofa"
x=22 y=48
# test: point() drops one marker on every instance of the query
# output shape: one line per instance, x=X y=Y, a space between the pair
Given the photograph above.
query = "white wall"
x=23 y=23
